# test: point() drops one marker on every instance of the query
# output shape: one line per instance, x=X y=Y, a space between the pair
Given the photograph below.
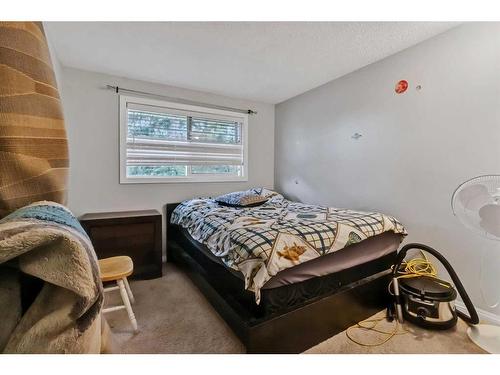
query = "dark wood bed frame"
x=294 y=330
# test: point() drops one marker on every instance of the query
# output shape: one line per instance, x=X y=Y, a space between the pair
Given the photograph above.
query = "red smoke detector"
x=401 y=86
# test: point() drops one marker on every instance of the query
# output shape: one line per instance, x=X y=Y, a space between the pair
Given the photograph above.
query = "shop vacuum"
x=423 y=299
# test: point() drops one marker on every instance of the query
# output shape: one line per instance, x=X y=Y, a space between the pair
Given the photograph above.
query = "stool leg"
x=126 y=302
x=129 y=291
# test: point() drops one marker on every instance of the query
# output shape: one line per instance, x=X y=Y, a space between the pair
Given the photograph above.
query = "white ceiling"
x=263 y=61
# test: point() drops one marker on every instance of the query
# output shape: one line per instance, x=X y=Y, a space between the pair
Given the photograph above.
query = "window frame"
x=173 y=108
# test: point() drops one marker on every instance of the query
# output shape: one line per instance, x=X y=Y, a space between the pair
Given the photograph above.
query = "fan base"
x=486 y=336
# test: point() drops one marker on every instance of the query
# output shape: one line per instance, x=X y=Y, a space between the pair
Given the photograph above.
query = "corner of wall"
x=56 y=63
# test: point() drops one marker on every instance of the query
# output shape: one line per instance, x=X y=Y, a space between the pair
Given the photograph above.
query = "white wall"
x=91 y=115
x=56 y=64
x=415 y=149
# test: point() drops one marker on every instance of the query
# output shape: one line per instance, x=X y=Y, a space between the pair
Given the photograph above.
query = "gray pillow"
x=247 y=198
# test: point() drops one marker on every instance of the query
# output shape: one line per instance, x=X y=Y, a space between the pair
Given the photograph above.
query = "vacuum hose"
x=472 y=318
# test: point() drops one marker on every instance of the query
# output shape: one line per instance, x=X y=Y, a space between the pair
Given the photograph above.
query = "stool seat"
x=115 y=268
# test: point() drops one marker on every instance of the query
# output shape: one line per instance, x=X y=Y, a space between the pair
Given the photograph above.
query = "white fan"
x=476 y=203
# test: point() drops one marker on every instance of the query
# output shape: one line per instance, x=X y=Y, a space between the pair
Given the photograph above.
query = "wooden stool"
x=117 y=269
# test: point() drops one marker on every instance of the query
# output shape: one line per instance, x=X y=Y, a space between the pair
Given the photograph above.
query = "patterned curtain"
x=33 y=144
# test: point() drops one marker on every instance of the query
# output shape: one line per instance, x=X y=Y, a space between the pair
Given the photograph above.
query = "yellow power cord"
x=389 y=334
x=415 y=267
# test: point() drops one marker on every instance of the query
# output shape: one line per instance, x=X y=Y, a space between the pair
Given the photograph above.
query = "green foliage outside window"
x=160 y=171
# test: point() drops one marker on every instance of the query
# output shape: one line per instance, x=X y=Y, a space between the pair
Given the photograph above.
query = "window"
x=170 y=142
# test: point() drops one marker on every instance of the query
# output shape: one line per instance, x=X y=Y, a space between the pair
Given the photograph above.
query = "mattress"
x=354 y=255
x=279 y=235
x=300 y=284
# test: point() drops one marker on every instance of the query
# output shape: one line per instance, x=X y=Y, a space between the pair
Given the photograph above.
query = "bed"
x=284 y=275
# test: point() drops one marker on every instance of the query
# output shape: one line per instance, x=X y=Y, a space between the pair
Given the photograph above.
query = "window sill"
x=187 y=179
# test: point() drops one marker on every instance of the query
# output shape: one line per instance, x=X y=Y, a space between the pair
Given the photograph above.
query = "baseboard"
x=484 y=316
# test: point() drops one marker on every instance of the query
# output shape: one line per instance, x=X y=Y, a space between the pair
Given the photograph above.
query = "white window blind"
x=172 y=142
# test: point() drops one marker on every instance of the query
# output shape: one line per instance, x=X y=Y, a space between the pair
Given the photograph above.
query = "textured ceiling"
x=263 y=61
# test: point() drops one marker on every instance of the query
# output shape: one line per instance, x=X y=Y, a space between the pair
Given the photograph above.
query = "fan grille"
x=476 y=203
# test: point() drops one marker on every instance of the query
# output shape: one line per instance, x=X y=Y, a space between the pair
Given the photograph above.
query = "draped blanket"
x=33 y=143
x=50 y=282
x=264 y=240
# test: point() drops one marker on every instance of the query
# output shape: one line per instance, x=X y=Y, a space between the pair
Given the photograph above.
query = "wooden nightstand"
x=136 y=234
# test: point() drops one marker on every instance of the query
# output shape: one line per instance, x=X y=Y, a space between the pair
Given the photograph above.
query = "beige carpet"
x=174 y=317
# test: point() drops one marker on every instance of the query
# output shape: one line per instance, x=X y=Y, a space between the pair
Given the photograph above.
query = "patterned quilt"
x=264 y=240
